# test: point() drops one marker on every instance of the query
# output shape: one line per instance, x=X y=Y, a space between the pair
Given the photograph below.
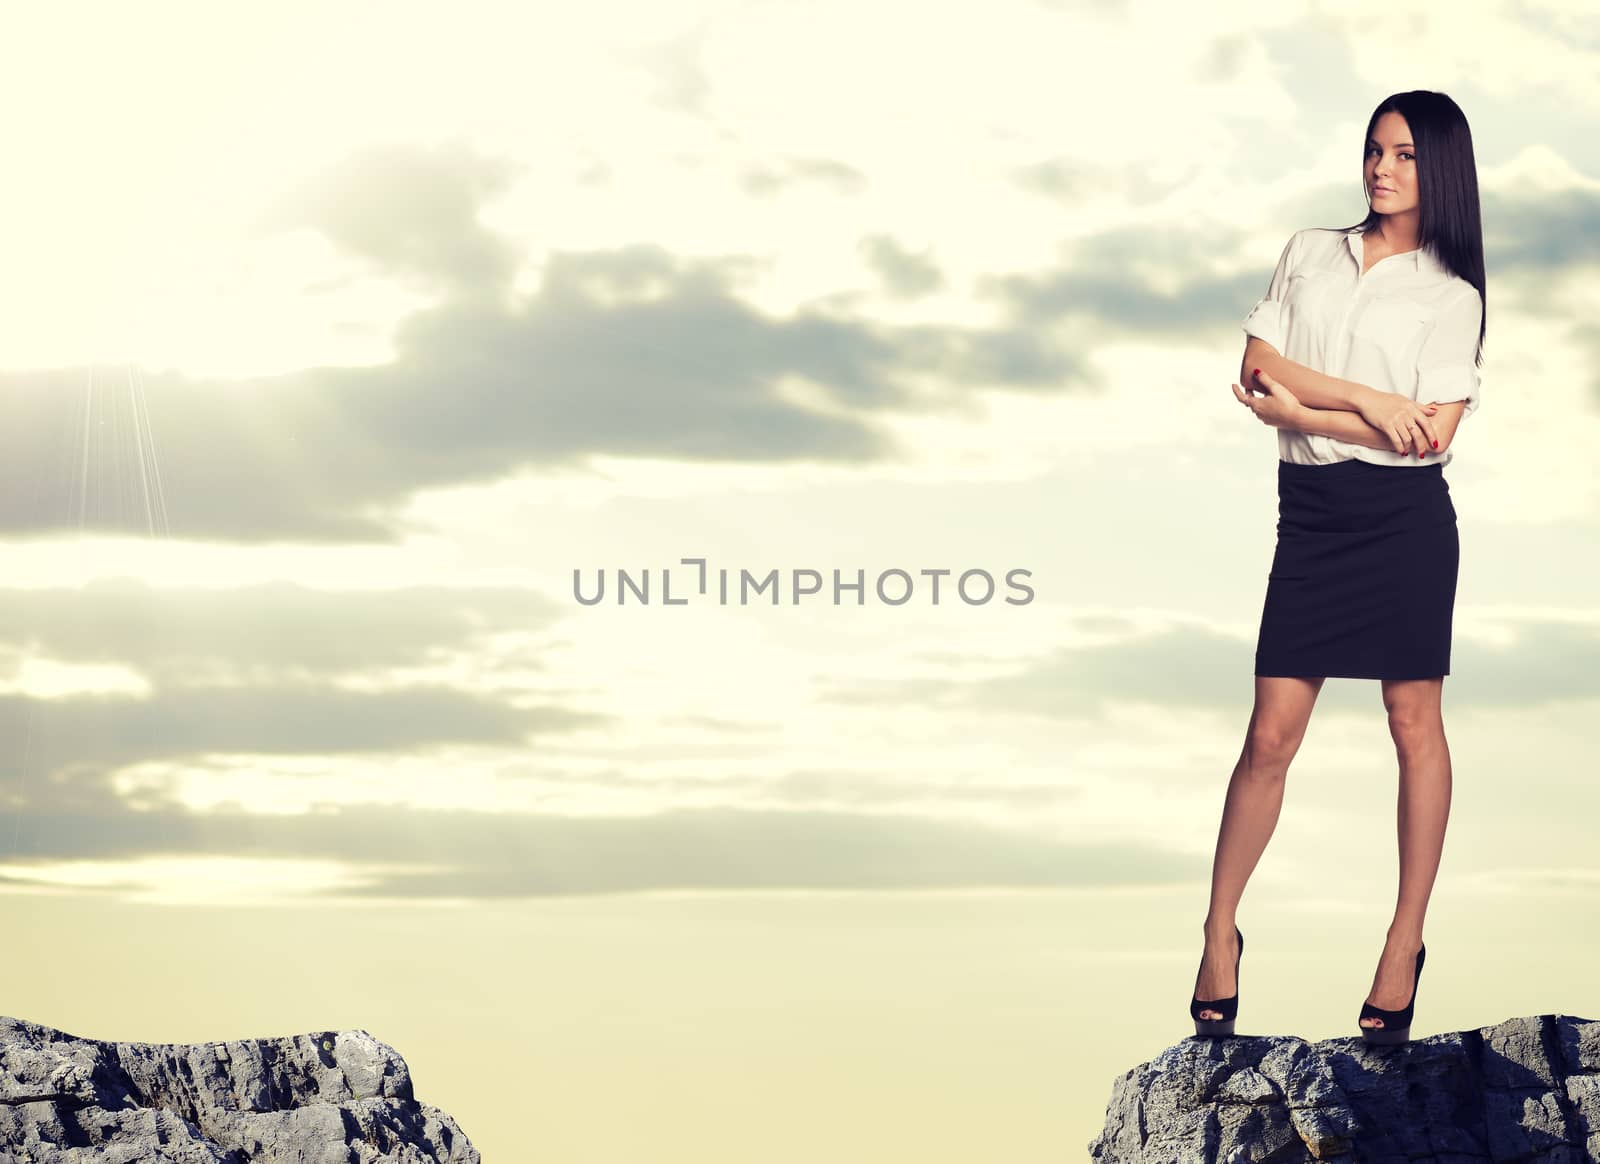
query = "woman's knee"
x=1271 y=744
x=1413 y=727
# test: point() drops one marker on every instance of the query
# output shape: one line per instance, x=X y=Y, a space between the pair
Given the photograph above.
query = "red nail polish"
x=1435 y=444
x=1255 y=371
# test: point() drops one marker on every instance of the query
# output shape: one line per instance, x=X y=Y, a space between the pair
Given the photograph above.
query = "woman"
x=1364 y=356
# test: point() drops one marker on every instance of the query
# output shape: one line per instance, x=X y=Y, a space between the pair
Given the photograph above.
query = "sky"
x=348 y=347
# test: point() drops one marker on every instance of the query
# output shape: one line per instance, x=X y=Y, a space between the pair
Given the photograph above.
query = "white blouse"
x=1408 y=325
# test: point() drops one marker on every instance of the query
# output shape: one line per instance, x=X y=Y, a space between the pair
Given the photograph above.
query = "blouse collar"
x=1422 y=258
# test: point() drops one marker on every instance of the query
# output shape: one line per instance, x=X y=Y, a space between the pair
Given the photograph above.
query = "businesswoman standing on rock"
x=1364 y=356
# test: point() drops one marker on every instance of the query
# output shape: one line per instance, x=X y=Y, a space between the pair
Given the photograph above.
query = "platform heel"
x=1396 y=1023
x=1227 y=1007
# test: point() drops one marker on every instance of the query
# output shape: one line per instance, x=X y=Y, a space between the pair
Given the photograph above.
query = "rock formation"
x=1527 y=1089
x=324 y=1097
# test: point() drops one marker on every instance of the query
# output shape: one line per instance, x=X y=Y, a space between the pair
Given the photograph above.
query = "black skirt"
x=1363 y=583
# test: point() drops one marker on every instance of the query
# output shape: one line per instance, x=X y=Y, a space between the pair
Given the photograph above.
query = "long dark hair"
x=1448 y=219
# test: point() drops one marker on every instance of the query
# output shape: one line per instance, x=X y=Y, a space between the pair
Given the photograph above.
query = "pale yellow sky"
x=397 y=315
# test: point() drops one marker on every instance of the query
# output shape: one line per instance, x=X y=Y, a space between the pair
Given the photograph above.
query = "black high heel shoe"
x=1228 y=1007
x=1396 y=1023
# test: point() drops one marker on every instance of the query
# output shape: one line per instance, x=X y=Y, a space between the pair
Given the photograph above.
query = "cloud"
x=264 y=669
x=411 y=210
x=1542 y=231
x=1113 y=281
x=500 y=854
x=266 y=719
x=629 y=353
x=906 y=274
x=767 y=178
x=633 y=352
x=274 y=629
x=1192 y=666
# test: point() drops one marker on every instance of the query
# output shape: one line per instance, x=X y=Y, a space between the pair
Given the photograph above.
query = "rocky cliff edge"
x=323 y=1097
x=1527 y=1089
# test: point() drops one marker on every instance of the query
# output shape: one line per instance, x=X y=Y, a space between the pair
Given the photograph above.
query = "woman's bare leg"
x=1417 y=725
x=1249 y=815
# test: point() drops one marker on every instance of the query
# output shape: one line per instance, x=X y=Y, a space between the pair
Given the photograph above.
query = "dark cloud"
x=810 y=828
x=1072 y=181
x=310 y=719
x=626 y=354
x=1546 y=661
x=257 y=669
x=630 y=352
x=411 y=211
x=906 y=274
x=732 y=849
x=1181 y=666
x=767 y=178
x=509 y=854
x=272 y=629
x=1187 y=666
x=1541 y=232
x=1107 y=284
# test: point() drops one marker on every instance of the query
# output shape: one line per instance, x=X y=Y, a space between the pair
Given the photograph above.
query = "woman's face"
x=1391 y=166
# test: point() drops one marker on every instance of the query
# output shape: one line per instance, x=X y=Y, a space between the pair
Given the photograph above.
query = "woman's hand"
x=1407 y=424
x=1277 y=408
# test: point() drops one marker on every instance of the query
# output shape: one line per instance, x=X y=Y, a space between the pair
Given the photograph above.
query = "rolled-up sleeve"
x=1265 y=320
x=1447 y=367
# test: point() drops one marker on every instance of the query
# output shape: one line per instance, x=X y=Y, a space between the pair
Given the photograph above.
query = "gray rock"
x=1527 y=1089
x=334 y=1097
